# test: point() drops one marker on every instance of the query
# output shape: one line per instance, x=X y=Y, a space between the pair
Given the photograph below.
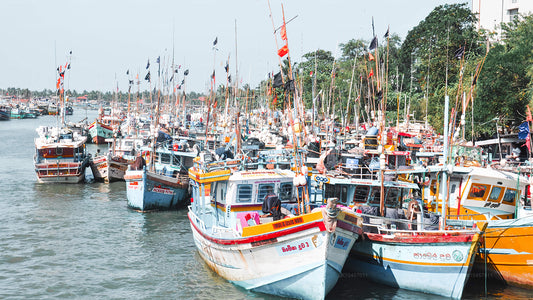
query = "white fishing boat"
x=299 y=256
x=60 y=155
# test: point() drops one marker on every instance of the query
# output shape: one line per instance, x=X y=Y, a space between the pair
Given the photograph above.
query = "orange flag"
x=283 y=51
x=370 y=56
x=371 y=73
x=283 y=32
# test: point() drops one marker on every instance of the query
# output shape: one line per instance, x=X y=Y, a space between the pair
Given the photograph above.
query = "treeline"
x=443 y=54
x=91 y=95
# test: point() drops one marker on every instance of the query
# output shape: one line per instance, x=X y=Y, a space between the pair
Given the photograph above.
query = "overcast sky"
x=109 y=37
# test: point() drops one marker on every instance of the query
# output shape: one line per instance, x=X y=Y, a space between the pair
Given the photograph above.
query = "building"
x=491 y=13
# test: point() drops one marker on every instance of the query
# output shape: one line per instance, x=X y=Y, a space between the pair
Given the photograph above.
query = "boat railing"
x=384 y=225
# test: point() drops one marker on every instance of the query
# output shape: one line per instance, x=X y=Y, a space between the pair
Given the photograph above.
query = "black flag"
x=215 y=41
x=171 y=78
x=213 y=76
x=459 y=52
x=183 y=82
x=128 y=72
x=373 y=44
x=227 y=67
x=158 y=59
x=186 y=72
x=147 y=77
x=229 y=78
x=148 y=64
x=68 y=67
x=131 y=82
x=277 y=80
x=386 y=33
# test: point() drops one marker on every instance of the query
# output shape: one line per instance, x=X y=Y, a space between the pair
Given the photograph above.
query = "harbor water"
x=80 y=241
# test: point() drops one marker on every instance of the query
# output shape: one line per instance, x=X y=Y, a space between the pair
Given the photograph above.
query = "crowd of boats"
x=282 y=205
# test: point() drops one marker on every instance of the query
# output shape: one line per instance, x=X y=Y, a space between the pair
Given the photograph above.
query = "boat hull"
x=149 y=191
x=303 y=261
x=438 y=264
x=109 y=169
x=509 y=251
x=60 y=172
x=98 y=132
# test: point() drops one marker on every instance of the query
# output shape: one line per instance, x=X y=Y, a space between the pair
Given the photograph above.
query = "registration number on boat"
x=295 y=247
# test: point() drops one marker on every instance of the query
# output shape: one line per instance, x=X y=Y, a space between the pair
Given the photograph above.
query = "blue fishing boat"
x=5 y=112
x=163 y=183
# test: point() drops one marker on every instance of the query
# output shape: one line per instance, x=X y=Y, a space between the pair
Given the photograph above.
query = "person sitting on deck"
x=271 y=205
x=139 y=163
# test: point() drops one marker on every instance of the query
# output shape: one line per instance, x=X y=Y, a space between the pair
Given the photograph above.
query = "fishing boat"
x=402 y=248
x=5 y=112
x=299 y=256
x=99 y=132
x=163 y=183
x=60 y=156
x=113 y=165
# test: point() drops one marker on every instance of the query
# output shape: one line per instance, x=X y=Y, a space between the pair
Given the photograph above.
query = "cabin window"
x=262 y=191
x=477 y=191
x=244 y=193
x=452 y=188
x=361 y=194
x=59 y=151
x=375 y=195
x=343 y=196
x=495 y=193
x=509 y=196
x=285 y=191
x=164 y=158
x=392 y=196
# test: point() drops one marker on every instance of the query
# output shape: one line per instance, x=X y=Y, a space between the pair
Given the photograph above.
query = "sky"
x=109 y=37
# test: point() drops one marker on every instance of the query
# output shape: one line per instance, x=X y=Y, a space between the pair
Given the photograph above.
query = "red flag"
x=283 y=32
x=528 y=143
x=529 y=118
x=311 y=73
x=275 y=100
x=283 y=51
x=370 y=56
x=371 y=73
x=58 y=83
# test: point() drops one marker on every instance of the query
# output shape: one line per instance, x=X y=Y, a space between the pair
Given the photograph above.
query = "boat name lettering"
x=162 y=191
x=342 y=243
x=491 y=205
x=290 y=222
x=432 y=256
x=296 y=247
x=350 y=218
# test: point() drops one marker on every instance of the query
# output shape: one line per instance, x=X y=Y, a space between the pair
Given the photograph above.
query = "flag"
x=283 y=51
x=275 y=100
x=373 y=44
x=371 y=73
x=370 y=56
x=215 y=41
x=158 y=59
x=459 y=52
x=311 y=74
x=148 y=64
x=213 y=75
x=131 y=82
x=186 y=72
x=229 y=78
x=227 y=67
x=283 y=32
x=70 y=52
x=386 y=33
x=277 y=80
x=147 y=77
x=171 y=78
x=128 y=72
x=68 y=67
x=523 y=130
x=528 y=115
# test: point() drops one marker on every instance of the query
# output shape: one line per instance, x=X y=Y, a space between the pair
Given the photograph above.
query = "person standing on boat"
x=272 y=205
